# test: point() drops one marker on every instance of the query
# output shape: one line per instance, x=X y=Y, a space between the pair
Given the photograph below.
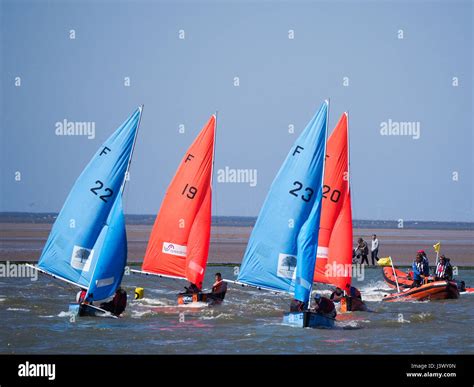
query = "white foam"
x=138 y=314
x=196 y=305
x=18 y=309
x=66 y=314
x=220 y=315
x=151 y=301
x=375 y=291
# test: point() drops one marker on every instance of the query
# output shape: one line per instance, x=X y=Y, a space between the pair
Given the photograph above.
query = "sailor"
x=353 y=292
x=444 y=270
x=297 y=306
x=219 y=288
x=324 y=306
x=336 y=295
x=81 y=295
x=418 y=272
x=118 y=303
x=191 y=289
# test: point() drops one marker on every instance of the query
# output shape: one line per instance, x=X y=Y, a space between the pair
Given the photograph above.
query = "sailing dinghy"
x=179 y=242
x=87 y=246
x=281 y=251
x=334 y=252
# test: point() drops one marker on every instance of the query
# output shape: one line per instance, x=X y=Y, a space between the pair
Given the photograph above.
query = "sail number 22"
x=99 y=186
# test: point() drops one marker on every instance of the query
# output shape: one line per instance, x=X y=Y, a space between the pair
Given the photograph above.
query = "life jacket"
x=81 y=296
x=443 y=270
x=219 y=287
x=417 y=270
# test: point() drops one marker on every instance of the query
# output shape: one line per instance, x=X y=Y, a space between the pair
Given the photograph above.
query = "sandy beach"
x=24 y=242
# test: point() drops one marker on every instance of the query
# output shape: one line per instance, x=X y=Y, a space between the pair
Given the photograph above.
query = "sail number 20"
x=308 y=192
x=334 y=196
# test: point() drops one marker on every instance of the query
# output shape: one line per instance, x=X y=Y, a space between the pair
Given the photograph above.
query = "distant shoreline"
x=247 y=221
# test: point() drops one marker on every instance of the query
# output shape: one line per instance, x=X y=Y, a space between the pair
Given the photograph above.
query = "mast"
x=133 y=148
x=322 y=183
x=349 y=190
x=214 y=149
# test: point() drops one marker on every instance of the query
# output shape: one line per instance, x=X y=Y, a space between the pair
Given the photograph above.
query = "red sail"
x=179 y=241
x=334 y=255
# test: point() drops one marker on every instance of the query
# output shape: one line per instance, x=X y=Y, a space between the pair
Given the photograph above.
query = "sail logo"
x=75 y=128
x=400 y=128
x=286 y=266
x=37 y=370
x=81 y=258
x=174 y=249
x=233 y=175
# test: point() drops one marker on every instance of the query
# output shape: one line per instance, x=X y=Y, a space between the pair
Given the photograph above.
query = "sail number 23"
x=306 y=194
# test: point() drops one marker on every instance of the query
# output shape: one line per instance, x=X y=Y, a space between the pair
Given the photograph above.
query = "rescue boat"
x=436 y=290
x=404 y=279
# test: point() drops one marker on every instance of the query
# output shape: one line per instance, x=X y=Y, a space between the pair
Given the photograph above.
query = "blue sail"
x=110 y=262
x=86 y=222
x=281 y=252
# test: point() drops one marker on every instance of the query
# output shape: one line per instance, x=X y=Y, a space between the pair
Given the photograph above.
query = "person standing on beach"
x=375 y=249
x=362 y=251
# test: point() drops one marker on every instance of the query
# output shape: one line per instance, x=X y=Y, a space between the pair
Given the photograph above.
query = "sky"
x=266 y=67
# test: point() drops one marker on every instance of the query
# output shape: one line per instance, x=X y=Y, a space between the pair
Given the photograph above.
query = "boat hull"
x=84 y=310
x=403 y=281
x=437 y=290
x=186 y=299
x=308 y=319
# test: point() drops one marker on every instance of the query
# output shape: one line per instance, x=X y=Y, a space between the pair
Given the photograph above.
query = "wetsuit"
x=354 y=292
x=117 y=305
x=326 y=307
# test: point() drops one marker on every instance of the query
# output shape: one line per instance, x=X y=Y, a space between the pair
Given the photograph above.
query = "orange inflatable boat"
x=436 y=290
x=404 y=280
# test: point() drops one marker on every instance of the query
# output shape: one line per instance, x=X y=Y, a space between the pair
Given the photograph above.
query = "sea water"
x=35 y=319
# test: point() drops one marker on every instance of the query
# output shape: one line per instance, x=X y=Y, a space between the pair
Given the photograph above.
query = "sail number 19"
x=189 y=191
